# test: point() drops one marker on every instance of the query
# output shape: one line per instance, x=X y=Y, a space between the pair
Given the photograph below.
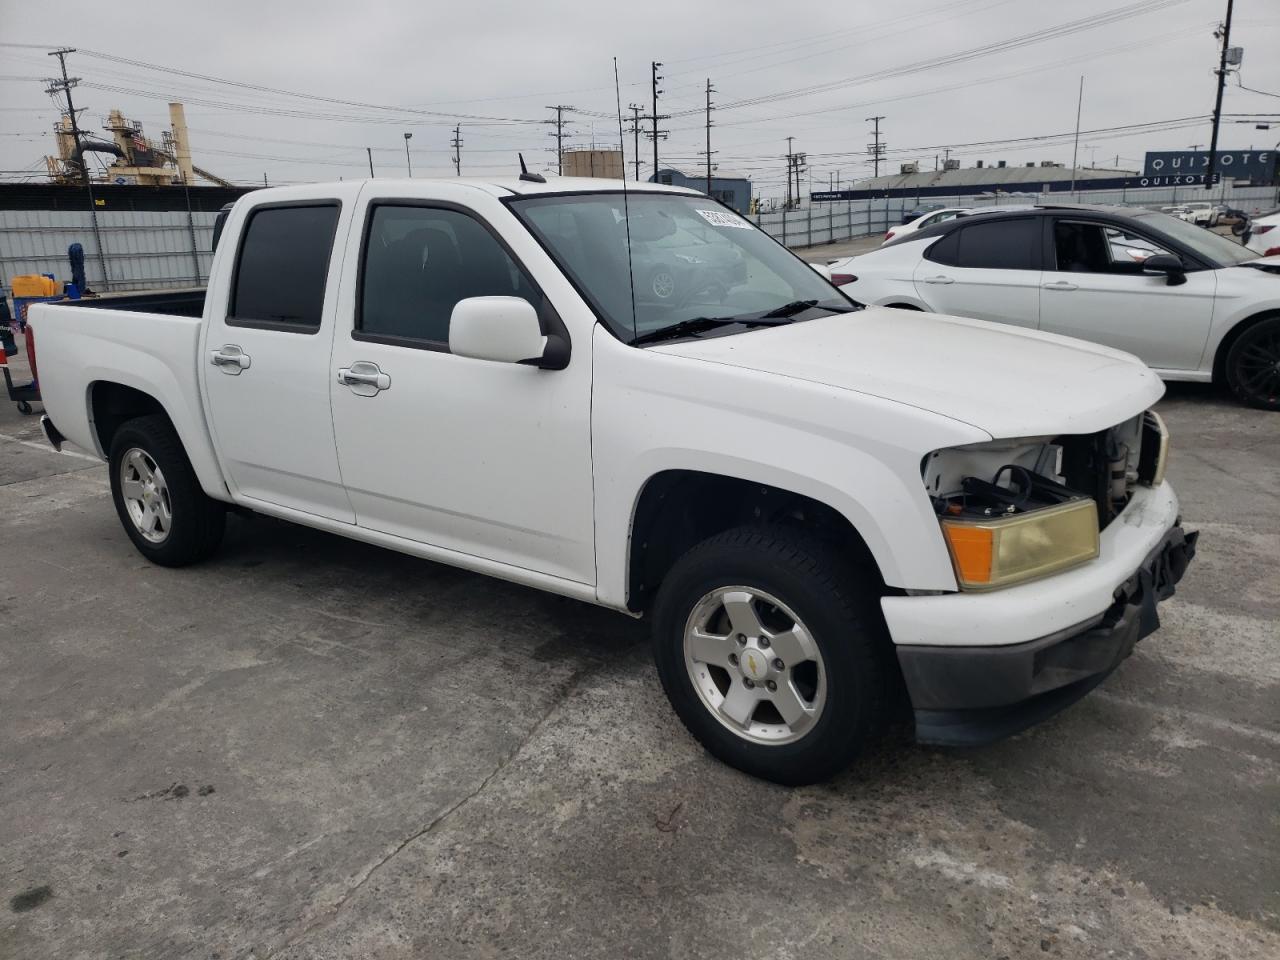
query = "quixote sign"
x=1174 y=167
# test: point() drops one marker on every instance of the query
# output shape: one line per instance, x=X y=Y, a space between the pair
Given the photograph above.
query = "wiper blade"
x=696 y=325
x=799 y=306
x=790 y=309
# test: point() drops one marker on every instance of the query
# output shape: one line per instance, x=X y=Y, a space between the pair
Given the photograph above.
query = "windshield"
x=1212 y=246
x=691 y=258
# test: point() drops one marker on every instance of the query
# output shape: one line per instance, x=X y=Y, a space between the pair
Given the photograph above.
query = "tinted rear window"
x=992 y=245
x=283 y=264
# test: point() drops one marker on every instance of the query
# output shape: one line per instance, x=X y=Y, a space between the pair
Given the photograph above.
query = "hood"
x=1005 y=380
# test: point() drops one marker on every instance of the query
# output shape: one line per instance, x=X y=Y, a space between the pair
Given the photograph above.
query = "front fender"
x=858 y=454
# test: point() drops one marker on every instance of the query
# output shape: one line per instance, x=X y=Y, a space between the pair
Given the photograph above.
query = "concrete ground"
x=845 y=248
x=309 y=748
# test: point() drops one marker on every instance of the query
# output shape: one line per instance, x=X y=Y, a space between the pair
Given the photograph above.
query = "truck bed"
x=181 y=302
x=153 y=353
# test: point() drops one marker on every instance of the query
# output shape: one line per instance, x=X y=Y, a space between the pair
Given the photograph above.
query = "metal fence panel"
x=144 y=250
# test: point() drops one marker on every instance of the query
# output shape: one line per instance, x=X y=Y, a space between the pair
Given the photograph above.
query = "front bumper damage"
x=972 y=695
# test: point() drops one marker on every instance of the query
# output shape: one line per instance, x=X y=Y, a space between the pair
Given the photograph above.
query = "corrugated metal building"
x=731 y=190
x=981 y=178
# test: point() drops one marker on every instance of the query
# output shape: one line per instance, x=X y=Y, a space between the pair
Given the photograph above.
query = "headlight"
x=997 y=553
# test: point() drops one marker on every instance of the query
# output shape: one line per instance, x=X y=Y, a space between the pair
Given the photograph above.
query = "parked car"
x=817 y=506
x=928 y=219
x=1201 y=214
x=918 y=211
x=1261 y=237
x=1202 y=307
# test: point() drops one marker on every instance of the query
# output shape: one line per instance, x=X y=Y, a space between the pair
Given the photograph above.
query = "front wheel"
x=1253 y=365
x=168 y=517
x=772 y=650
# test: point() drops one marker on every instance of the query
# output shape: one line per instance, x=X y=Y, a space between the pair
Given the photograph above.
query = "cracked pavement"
x=310 y=748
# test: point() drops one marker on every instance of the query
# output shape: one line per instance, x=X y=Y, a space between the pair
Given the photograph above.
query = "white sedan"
x=1263 y=239
x=1192 y=304
x=928 y=220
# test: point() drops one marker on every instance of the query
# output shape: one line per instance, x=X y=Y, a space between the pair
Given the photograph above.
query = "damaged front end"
x=1016 y=510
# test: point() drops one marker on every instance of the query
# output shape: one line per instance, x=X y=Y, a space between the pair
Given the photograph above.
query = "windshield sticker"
x=718 y=218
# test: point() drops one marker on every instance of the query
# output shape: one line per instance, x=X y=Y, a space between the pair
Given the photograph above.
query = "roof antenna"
x=626 y=210
x=526 y=175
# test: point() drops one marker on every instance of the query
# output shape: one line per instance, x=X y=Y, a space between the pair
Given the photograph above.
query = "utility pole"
x=1076 y=149
x=559 y=108
x=635 y=131
x=876 y=148
x=408 y=162
x=790 y=165
x=710 y=90
x=655 y=116
x=369 y=151
x=456 y=143
x=64 y=87
x=1225 y=32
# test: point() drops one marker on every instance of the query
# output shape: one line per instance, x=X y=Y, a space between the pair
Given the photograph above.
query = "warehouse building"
x=733 y=191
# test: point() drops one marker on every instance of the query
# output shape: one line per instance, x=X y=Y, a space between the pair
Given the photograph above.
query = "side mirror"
x=504 y=330
x=822 y=270
x=1166 y=263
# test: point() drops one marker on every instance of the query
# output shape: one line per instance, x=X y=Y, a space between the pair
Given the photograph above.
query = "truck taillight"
x=887 y=237
x=1264 y=228
x=840 y=279
x=31 y=353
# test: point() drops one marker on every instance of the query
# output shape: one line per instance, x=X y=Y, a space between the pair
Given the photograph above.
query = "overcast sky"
x=810 y=71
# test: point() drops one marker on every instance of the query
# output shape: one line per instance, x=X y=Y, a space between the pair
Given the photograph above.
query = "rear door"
x=1094 y=288
x=987 y=269
x=265 y=363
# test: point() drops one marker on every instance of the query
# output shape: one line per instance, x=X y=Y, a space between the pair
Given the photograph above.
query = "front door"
x=265 y=361
x=987 y=270
x=1096 y=290
x=488 y=459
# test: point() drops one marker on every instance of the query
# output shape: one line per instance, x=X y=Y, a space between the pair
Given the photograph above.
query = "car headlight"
x=1013 y=549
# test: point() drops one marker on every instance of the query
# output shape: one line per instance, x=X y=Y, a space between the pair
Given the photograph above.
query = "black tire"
x=1252 y=366
x=197 y=522
x=839 y=605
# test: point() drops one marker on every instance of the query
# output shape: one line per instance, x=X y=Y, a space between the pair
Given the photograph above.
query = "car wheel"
x=662 y=284
x=773 y=652
x=168 y=517
x=1253 y=365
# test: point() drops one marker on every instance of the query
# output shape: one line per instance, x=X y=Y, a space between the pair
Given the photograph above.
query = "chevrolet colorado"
x=637 y=399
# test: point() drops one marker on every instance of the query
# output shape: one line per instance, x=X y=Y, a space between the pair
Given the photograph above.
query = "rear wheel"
x=773 y=653
x=1253 y=365
x=168 y=517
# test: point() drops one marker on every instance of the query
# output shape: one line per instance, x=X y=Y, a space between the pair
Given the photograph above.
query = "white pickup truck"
x=639 y=400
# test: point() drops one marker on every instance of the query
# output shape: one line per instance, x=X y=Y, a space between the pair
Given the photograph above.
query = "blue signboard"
x=1169 y=168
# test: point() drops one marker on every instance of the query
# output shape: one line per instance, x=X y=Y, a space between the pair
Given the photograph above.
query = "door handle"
x=365 y=378
x=1059 y=285
x=938 y=279
x=230 y=359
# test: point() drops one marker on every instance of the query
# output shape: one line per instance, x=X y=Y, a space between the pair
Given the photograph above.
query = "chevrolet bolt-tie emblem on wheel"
x=751 y=664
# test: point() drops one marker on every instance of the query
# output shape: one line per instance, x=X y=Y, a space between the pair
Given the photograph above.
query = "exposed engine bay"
x=1003 y=478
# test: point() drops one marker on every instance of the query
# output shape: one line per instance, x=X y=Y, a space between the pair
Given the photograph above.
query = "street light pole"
x=408 y=162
